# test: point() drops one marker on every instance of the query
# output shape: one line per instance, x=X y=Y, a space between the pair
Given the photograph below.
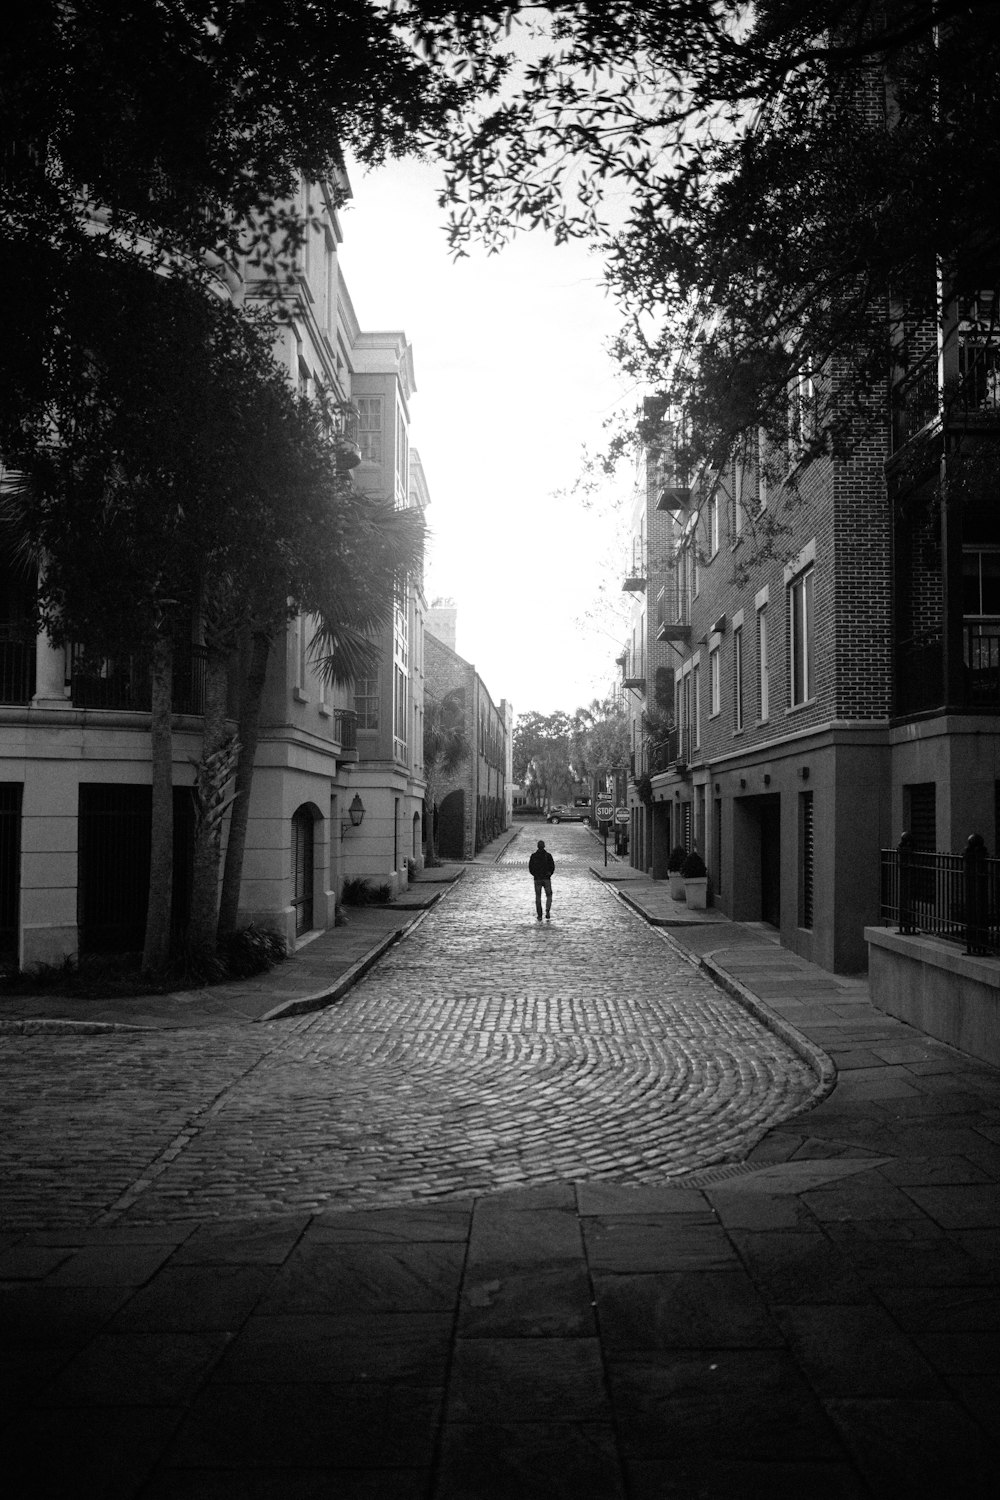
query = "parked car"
x=563 y=813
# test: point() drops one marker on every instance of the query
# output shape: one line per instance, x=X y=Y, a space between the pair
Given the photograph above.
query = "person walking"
x=541 y=867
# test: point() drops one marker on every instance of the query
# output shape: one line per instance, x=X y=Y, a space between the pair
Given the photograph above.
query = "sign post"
x=604 y=814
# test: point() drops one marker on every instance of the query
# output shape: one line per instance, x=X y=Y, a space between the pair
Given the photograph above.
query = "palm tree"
x=446 y=748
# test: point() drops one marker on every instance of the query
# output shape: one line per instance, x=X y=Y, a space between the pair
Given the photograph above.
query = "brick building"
x=846 y=688
x=475 y=804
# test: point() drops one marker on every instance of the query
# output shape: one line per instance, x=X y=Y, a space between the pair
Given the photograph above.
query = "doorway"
x=303 y=853
x=770 y=859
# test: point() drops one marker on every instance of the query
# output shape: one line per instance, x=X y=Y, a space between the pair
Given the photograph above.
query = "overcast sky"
x=512 y=380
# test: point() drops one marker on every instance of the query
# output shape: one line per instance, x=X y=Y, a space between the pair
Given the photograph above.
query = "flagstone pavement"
x=625 y=1204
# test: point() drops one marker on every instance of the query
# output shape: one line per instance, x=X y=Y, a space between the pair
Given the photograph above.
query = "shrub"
x=676 y=857
x=253 y=950
x=357 y=892
x=694 y=867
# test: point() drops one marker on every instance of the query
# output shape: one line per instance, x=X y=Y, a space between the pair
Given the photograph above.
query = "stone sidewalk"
x=821 y=1319
x=318 y=974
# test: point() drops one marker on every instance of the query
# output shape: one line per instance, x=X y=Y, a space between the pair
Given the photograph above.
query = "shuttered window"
x=806 y=859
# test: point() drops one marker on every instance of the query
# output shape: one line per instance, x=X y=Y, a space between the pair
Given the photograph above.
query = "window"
x=763 y=688
x=400 y=684
x=714 y=682
x=981 y=582
x=366 y=702
x=696 y=691
x=737 y=509
x=738 y=678
x=712 y=523
x=806 y=859
x=800 y=605
x=402 y=461
x=801 y=411
x=370 y=428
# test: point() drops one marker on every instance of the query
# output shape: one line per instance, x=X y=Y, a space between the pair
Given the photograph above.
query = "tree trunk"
x=430 y=793
x=213 y=774
x=249 y=730
x=156 y=947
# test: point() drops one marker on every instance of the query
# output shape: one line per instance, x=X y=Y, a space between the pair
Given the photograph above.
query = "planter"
x=696 y=892
x=676 y=880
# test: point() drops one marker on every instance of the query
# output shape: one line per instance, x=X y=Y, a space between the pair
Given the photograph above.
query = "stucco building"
x=74 y=744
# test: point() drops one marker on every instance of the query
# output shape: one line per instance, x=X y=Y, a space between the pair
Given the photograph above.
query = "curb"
x=814 y=1057
x=302 y=1005
x=29 y=1025
x=664 y=921
x=320 y=999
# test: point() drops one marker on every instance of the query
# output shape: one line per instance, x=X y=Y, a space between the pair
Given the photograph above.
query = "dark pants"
x=545 y=885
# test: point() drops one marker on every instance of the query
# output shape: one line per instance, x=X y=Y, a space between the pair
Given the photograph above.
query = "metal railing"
x=123 y=682
x=672 y=753
x=17 y=663
x=981 y=654
x=345 y=728
x=952 y=896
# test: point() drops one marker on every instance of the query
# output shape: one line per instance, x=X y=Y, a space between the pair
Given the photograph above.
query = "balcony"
x=673 y=497
x=347 y=440
x=921 y=675
x=17 y=663
x=634 y=671
x=671 y=754
x=123 y=683
x=634 y=581
x=672 y=615
x=345 y=729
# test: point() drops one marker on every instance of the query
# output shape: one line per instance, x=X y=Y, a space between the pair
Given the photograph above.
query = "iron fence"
x=17 y=663
x=345 y=728
x=124 y=682
x=952 y=896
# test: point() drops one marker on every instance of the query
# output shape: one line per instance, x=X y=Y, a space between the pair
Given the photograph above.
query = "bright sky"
x=512 y=381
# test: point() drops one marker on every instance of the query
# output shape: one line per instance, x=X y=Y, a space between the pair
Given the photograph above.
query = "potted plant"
x=695 y=881
x=675 y=863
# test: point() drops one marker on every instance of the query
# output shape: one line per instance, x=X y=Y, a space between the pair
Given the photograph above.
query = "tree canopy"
x=182 y=126
x=766 y=182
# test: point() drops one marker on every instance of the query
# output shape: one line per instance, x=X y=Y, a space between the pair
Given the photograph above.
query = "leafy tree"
x=446 y=748
x=183 y=125
x=174 y=476
x=600 y=737
x=542 y=756
x=769 y=185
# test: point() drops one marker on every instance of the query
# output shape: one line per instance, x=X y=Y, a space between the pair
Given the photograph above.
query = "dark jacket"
x=541 y=864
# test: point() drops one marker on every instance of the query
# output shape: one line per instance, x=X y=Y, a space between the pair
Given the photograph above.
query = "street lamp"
x=356 y=813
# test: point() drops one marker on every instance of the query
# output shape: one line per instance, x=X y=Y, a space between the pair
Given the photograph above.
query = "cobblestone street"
x=486 y=1050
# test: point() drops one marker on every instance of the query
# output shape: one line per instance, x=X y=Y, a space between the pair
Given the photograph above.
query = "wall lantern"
x=743 y=783
x=804 y=772
x=767 y=779
x=356 y=812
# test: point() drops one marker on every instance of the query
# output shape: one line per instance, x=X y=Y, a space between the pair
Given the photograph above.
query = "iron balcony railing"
x=345 y=728
x=951 y=896
x=17 y=663
x=124 y=682
x=672 y=753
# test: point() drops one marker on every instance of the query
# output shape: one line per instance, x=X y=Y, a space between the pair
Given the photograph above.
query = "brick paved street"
x=486 y=1050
